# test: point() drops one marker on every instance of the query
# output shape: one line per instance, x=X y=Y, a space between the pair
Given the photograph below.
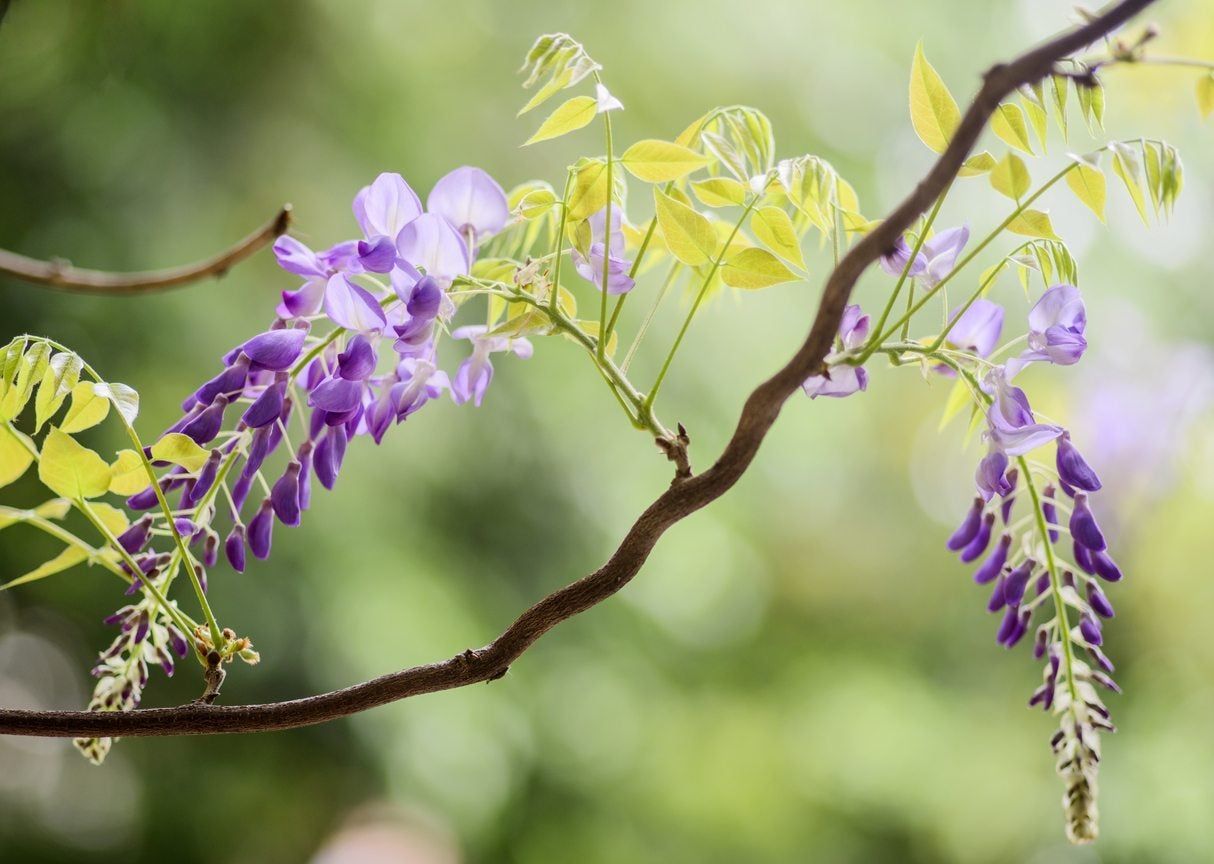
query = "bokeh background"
x=800 y=673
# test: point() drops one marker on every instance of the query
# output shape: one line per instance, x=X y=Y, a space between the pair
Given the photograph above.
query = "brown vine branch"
x=676 y=503
x=63 y=276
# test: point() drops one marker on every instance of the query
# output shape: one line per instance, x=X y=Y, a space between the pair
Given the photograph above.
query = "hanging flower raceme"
x=296 y=395
x=1013 y=532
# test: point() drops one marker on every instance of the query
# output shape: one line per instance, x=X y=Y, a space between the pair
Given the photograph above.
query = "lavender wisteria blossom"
x=843 y=379
x=298 y=394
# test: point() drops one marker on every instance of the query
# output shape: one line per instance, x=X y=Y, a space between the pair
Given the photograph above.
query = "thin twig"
x=676 y=503
x=61 y=275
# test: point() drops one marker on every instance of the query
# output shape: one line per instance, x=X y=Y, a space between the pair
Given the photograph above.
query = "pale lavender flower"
x=843 y=379
x=977 y=329
x=352 y=306
x=1056 y=330
x=474 y=374
x=1010 y=421
x=471 y=201
x=590 y=266
x=431 y=244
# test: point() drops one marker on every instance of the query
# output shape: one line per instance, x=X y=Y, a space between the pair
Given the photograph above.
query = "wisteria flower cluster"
x=366 y=335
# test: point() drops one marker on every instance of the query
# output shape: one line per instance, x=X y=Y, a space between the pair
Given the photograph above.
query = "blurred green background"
x=800 y=673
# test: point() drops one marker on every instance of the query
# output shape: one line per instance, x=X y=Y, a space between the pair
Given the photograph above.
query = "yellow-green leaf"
x=56 y=508
x=958 y=398
x=720 y=192
x=129 y=475
x=111 y=517
x=62 y=374
x=1091 y=102
x=1033 y=223
x=536 y=203
x=775 y=230
x=1009 y=124
x=125 y=399
x=979 y=163
x=657 y=161
x=934 y=112
x=1127 y=167
x=689 y=235
x=1205 y=95
x=70 y=469
x=86 y=410
x=755 y=268
x=1088 y=184
x=30 y=368
x=589 y=192
x=568 y=117
x=180 y=450
x=69 y=557
x=15 y=454
x=1010 y=177
x=1060 y=88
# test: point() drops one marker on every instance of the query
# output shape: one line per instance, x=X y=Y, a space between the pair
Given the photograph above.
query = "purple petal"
x=471 y=201
x=431 y=244
x=352 y=306
x=386 y=206
x=276 y=349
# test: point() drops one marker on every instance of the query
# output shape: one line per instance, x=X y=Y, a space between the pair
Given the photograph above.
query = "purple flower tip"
x=1083 y=525
x=276 y=349
x=233 y=548
x=285 y=495
x=260 y=530
x=1072 y=469
x=983 y=538
x=968 y=529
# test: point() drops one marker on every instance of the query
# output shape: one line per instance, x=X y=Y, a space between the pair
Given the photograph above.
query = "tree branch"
x=679 y=501
x=63 y=276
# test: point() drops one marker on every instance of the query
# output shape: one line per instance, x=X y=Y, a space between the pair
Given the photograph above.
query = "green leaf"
x=1033 y=223
x=755 y=268
x=129 y=474
x=689 y=235
x=958 y=398
x=589 y=192
x=1127 y=166
x=1011 y=177
x=70 y=469
x=1033 y=101
x=16 y=454
x=568 y=117
x=720 y=192
x=774 y=229
x=86 y=410
x=62 y=374
x=30 y=368
x=1088 y=183
x=979 y=163
x=655 y=161
x=10 y=361
x=56 y=508
x=933 y=110
x=69 y=557
x=114 y=519
x=535 y=203
x=1205 y=95
x=1009 y=124
x=125 y=399
x=1060 y=89
x=179 y=450
x=1091 y=102
x=1152 y=161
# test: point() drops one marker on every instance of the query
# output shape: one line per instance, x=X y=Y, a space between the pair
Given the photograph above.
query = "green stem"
x=986 y=241
x=675 y=268
x=560 y=244
x=919 y=241
x=695 y=306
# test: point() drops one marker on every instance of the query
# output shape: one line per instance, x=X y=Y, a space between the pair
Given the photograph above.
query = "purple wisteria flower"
x=977 y=329
x=472 y=202
x=843 y=379
x=935 y=259
x=474 y=374
x=590 y=266
x=1056 y=330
